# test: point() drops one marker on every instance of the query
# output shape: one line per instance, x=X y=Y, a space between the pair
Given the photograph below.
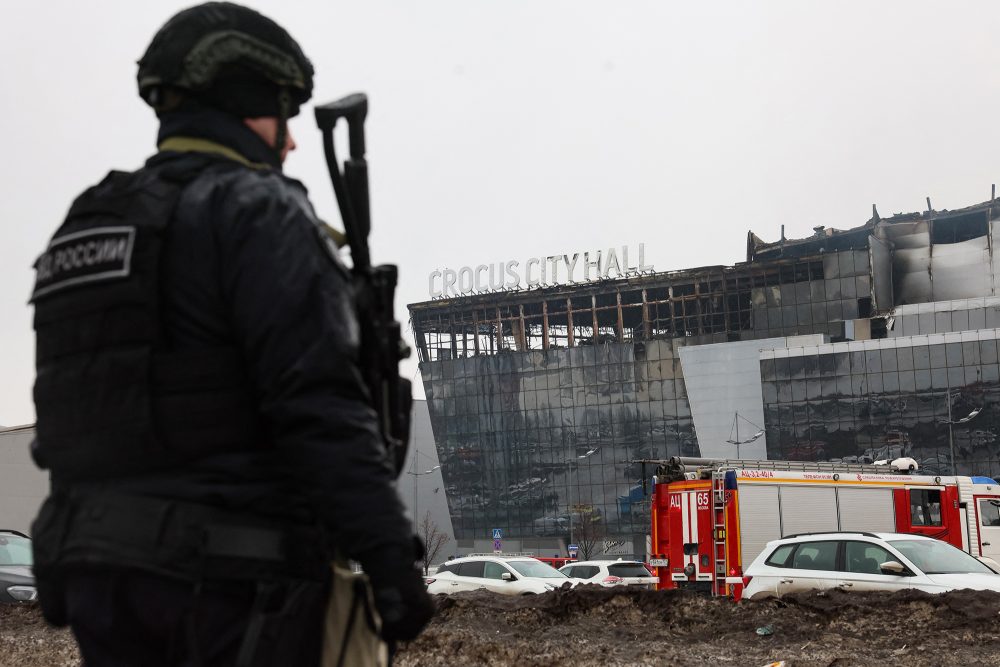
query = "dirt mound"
x=593 y=626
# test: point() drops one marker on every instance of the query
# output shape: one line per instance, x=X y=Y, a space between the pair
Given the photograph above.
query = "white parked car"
x=864 y=562
x=611 y=573
x=509 y=575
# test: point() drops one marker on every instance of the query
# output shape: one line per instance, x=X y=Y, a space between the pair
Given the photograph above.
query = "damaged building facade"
x=848 y=344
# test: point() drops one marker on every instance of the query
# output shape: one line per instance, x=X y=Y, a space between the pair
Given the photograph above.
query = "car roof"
x=601 y=562
x=500 y=557
x=846 y=534
x=13 y=532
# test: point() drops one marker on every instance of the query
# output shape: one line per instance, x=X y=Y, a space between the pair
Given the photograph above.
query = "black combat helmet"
x=228 y=57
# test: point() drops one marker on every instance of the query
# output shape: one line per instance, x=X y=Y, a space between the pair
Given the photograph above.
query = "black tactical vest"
x=111 y=396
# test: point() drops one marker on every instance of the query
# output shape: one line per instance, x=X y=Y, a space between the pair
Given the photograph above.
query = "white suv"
x=509 y=575
x=863 y=562
x=611 y=573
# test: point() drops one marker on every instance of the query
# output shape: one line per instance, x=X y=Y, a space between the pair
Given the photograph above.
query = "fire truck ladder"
x=719 y=551
x=688 y=464
x=683 y=467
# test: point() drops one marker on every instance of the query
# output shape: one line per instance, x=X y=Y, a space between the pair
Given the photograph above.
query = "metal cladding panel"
x=961 y=270
x=911 y=234
x=758 y=519
x=723 y=380
x=866 y=509
x=994 y=256
x=911 y=280
x=880 y=257
x=808 y=509
x=912 y=275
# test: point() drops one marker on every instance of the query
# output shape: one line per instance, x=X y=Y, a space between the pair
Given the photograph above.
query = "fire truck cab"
x=710 y=518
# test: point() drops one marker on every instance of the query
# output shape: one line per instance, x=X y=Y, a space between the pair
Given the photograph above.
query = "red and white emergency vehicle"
x=710 y=518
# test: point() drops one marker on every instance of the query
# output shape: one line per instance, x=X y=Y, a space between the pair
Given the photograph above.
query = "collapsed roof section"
x=839 y=283
x=827 y=239
x=915 y=257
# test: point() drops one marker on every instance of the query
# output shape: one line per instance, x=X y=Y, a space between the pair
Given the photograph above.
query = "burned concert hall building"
x=872 y=342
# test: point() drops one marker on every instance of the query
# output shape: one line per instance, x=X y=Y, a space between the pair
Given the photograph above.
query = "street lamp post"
x=951 y=436
x=589 y=453
x=737 y=441
x=570 y=508
x=416 y=513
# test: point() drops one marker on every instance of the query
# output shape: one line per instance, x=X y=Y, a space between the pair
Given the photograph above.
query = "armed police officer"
x=200 y=401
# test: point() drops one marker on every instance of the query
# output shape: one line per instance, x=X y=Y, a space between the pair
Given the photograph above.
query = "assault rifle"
x=382 y=346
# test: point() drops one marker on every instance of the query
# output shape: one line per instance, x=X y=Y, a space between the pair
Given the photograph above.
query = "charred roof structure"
x=906 y=259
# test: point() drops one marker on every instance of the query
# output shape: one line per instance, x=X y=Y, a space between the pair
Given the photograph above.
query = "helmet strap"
x=284 y=109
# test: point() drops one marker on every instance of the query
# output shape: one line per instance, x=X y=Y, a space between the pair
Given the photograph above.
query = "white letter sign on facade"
x=541 y=271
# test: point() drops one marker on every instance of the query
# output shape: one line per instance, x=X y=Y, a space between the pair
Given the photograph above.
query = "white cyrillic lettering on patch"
x=99 y=254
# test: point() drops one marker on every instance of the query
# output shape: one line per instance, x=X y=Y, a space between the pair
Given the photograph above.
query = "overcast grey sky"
x=506 y=130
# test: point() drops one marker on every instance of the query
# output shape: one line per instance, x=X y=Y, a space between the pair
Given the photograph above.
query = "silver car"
x=864 y=562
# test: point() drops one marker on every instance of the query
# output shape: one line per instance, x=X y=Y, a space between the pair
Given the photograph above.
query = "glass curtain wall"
x=526 y=439
x=812 y=296
x=883 y=399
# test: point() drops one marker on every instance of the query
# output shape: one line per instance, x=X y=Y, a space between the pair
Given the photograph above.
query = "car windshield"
x=534 y=568
x=15 y=550
x=934 y=557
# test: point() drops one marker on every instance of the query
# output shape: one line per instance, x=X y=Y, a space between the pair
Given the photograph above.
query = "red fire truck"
x=710 y=518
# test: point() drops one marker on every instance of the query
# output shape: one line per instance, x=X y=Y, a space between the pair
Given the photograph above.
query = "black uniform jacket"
x=245 y=265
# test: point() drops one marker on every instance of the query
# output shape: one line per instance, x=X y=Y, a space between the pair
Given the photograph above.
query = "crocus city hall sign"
x=538 y=271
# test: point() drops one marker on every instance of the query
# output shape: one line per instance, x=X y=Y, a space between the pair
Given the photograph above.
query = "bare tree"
x=588 y=531
x=434 y=540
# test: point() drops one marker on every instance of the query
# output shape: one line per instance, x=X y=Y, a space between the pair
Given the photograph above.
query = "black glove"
x=400 y=594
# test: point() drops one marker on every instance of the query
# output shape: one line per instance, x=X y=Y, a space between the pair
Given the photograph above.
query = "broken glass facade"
x=525 y=440
x=520 y=386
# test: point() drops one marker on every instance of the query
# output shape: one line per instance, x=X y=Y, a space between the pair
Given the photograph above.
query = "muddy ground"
x=594 y=626
x=26 y=640
x=613 y=627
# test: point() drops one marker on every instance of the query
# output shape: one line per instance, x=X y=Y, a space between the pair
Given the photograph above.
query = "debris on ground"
x=615 y=627
x=26 y=640
x=599 y=627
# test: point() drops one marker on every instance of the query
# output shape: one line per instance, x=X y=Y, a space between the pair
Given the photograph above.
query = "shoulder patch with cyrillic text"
x=102 y=253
